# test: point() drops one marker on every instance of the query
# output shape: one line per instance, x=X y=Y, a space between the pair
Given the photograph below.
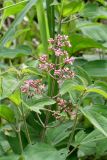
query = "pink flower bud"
x=51 y=40
x=69 y=60
x=25 y=88
x=57 y=72
x=43 y=58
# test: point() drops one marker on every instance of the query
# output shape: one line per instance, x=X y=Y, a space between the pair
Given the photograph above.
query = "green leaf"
x=7 y=113
x=96 y=68
x=97 y=90
x=14 y=142
x=99 y=121
x=101 y=109
x=42 y=151
x=15 y=97
x=88 y=144
x=101 y=84
x=81 y=42
x=72 y=7
x=14 y=9
x=9 y=84
x=95 y=31
x=57 y=134
x=10 y=157
x=13 y=53
x=4 y=145
x=83 y=74
x=16 y=22
x=40 y=104
x=71 y=85
x=94 y=11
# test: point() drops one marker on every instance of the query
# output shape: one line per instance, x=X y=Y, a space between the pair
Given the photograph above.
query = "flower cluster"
x=58 y=44
x=44 y=64
x=64 y=73
x=63 y=107
x=32 y=87
x=60 y=72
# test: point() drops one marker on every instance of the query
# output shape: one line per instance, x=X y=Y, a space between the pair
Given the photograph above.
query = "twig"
x=74 y=126
x=40 y=120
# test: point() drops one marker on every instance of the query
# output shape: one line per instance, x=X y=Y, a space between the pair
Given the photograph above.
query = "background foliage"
x=25 y=27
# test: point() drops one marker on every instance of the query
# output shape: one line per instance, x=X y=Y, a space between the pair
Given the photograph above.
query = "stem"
x=20 y=140
x=41 y=122
x=72 y=151
x=17 y=129
x=24 y=120
x=74 y=127
x=25 y=124
x=76 y=118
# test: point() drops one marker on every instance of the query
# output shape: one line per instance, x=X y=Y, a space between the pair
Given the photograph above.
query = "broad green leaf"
x=72 y=7
x=31 y=70
x=14 y=9
x=94 y=11
x=95 y=31
x=10 y=157
x=79 y=88
x=42 y=151
x=80 y=42
x=4 y=145
x=96 y=68
x=99 y=108
x=14 y=142
x=101 y=1
x=57 y=134
x=80 y=62
x=7 y=113
x=16 y=22
x=40 y=104
x=70 y=85
x=10 y=8
x=15 y=97
x=66 y=87
x=101 y=85
x=97 y=90
x=81 y=72
x=9 y=84
x=88 y=144
x=99 y=121
x=13 y=53
x=73 y=97
x=39 y=151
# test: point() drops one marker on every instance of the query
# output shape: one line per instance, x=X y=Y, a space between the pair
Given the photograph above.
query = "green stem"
x=25 y=124
x=79 y=100
x=74 y=127
x=17 y=129
x=24 y=120
x=20 y=140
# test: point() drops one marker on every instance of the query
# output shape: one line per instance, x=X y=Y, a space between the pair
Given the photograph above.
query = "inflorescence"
x=59 y=71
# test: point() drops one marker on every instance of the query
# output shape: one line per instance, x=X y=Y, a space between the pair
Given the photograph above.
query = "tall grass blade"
x=42 y=24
